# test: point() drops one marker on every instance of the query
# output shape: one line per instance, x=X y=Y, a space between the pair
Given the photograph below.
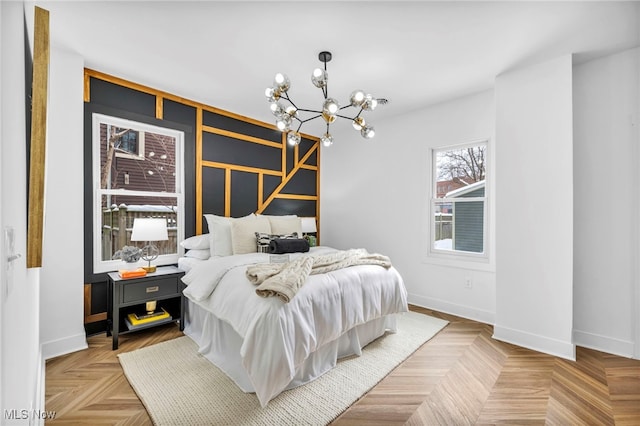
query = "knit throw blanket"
x=284 y=280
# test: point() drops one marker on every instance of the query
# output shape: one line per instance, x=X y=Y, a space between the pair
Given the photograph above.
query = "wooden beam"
x=37 y=153
x=198 y=171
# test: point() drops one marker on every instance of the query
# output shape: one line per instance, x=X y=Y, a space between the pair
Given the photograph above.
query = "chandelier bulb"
x=294 y=138
x=370 y=103
x=319 y=78
x=330 y=106
x=292 y=111
x=356 y=98
x=272 y=94
x=282 y=82
x=284 y=122
x=327 y=140
x=368 y=132
x=277 y=109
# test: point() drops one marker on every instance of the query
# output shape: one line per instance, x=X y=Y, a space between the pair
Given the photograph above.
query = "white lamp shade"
x=309 y=224
x=147 y=229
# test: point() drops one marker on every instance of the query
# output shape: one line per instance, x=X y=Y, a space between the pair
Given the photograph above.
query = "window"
x=458 y=200
x=137 y=171
x=130 y=144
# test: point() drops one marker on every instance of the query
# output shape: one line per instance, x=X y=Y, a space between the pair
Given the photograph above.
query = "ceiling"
x=415 y=53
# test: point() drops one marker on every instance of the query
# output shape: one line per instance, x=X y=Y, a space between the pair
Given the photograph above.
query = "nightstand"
x=129 y=295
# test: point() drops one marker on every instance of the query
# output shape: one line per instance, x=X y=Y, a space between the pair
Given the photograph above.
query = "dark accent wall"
x=233 y=165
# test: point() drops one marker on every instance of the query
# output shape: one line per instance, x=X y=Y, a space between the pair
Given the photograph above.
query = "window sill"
x=460 y=261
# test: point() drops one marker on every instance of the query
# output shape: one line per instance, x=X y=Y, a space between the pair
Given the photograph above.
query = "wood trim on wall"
x=198 y=170
x=38 y=147
x=88 y=316
x=90 y=73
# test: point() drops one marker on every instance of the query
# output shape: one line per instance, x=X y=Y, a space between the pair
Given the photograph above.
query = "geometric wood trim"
x=90 y=73
x=200 y=164
x=297 y=166
x=88 y=316
x=227 y=166
x=240 y=136
x=199 y=211
x=159 y=107
x=296 y=197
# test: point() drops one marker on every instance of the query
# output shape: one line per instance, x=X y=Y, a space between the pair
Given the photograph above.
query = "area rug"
x=178 y=386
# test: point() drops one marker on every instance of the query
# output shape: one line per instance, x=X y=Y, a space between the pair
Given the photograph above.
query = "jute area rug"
x=178 y=386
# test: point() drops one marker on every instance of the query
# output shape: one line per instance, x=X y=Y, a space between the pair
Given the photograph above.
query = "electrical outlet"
x=468 y=282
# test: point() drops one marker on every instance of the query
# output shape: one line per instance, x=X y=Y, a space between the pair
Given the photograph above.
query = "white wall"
x=606 y=202
x=21 y=370
x=62 y=278
x=534 y=207
x=375 y=194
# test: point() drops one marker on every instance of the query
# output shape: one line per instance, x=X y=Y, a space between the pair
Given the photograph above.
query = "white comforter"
x=277 y=336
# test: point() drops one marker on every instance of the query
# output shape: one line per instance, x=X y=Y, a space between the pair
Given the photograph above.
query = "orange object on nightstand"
x=135 y=273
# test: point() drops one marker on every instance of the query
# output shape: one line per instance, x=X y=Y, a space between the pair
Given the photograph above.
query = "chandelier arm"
x=310 y=110
x=309 y=119
x=344 y=116
x=286 y=97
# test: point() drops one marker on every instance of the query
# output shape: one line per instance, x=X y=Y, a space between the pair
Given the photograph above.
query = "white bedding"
x=186 y=263
x=277 y=338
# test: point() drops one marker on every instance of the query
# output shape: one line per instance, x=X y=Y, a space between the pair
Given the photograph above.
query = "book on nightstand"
x=134 y=321
x=134 y=273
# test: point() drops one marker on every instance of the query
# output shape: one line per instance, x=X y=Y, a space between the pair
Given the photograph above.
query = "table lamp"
x=308 y=226
x=149 y=229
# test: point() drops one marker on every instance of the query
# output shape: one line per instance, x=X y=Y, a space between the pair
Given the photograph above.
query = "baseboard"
x=452 y=308
x=535 y=342
x=39 y=397
x=606 y=344
x=64 y=346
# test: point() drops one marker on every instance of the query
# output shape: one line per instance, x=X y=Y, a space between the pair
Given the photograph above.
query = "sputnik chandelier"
x=286 y=114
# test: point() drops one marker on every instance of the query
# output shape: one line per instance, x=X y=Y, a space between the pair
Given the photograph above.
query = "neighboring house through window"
x=138 y=173
x=458 y=201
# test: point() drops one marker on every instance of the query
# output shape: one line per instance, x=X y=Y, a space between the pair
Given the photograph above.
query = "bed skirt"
x=220 y=344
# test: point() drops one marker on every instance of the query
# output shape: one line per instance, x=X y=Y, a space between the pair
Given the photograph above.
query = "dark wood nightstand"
x=129 y=295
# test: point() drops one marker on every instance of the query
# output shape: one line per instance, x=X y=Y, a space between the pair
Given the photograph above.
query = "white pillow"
x=285 y=225
x=243 y=234
x=197 y=242
x=220 y=231
x=203 y=254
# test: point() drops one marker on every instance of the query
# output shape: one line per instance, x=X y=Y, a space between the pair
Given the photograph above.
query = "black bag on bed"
x=288 y=245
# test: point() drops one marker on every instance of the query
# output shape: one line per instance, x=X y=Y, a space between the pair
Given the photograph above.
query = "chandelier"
x=331 y=109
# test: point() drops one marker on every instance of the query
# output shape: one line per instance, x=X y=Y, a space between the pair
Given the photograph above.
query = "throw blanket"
x=284 y=280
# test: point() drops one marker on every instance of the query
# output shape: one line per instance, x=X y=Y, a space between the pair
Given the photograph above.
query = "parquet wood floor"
x=460 y=377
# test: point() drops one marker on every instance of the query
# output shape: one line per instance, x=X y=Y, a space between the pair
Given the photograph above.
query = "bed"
x=266 y=345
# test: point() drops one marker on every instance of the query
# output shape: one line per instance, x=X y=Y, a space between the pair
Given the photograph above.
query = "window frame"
x=460 y=258
x=99 y=265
